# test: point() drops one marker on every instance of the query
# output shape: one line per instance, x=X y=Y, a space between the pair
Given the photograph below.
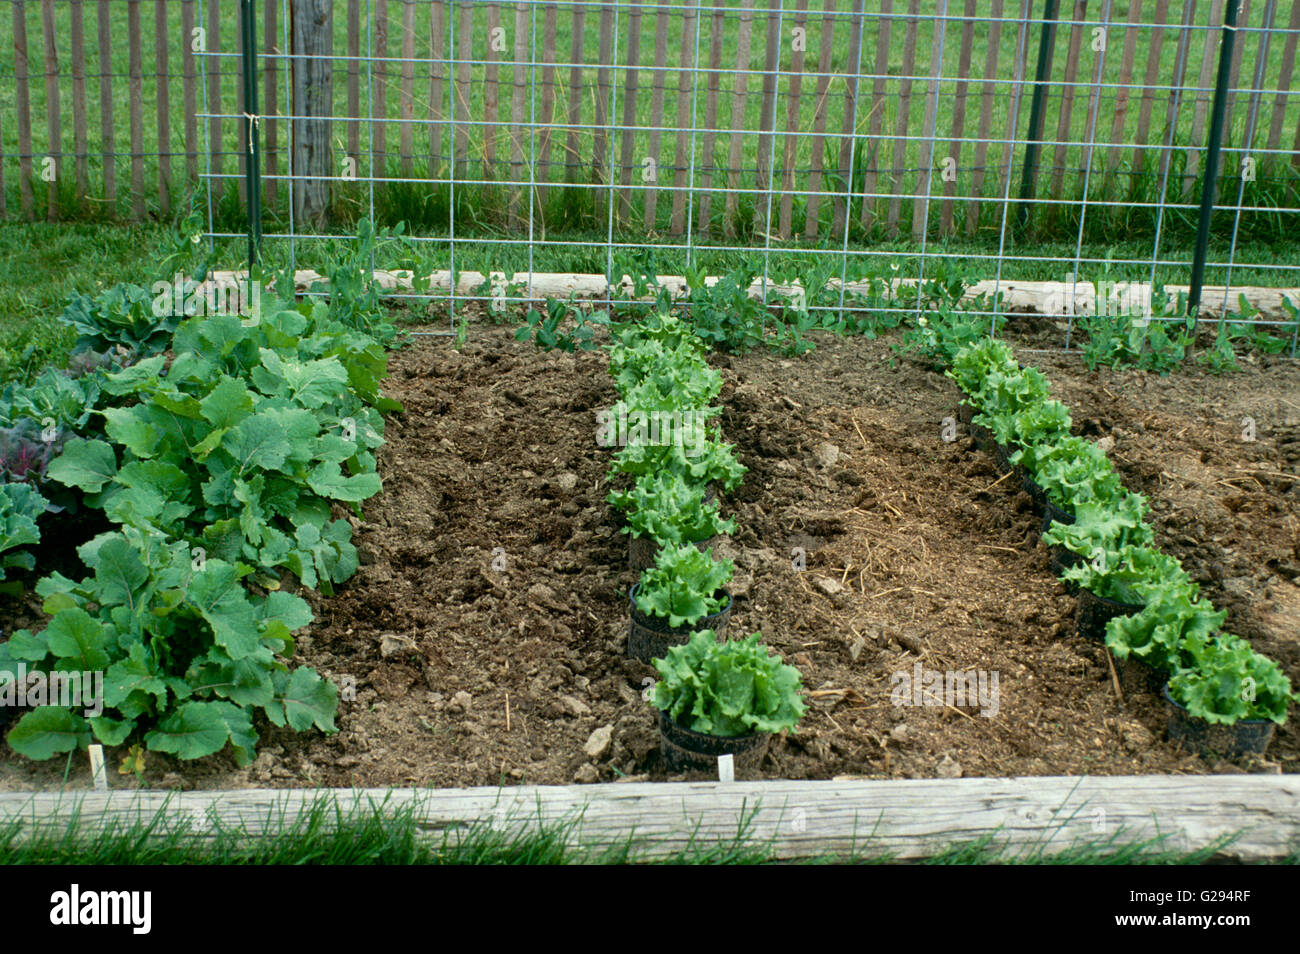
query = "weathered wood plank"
x=604 y=91
x=53 y=116
x=631 y=77
x=683 y=146
x=461 y=112
x=162 y=37
x=378 y=85
x=1065 y=119
x=739 y=94
x=848 y=130
x=1140 y=140
x=577 y=59
x=789 y=154
x=1278 y=116
x=904 y=819
x=406 y=129
x=658 y=84
x=135 y=67
x=106 y=125
x=1043 y=298
x=707 y=167
x=437 y=70
x=1204 y=87
x=921 y=206
x=491 y=92
x=976 y=189
x=353 y=81
x=1122 y=94
x=212 y=66
x=876 y=142
x=767 y=121
x=79 y=145
x=898 y=170
x=271 y=65
x=189 y=94
x=518 y=115
x=946 y=211
x=546 y=127
x=811 y=224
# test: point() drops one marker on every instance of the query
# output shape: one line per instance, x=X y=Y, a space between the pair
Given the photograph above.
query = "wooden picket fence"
x=788 y=115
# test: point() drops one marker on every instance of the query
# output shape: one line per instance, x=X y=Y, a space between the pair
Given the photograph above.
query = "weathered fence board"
x=777 y=127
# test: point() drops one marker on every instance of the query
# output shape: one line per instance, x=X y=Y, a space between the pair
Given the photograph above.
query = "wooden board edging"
x=1049 y=299
x=903 y=819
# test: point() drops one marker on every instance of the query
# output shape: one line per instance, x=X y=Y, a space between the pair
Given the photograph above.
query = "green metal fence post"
x=1047 y=40
x=252 y=146
x=1212 y=149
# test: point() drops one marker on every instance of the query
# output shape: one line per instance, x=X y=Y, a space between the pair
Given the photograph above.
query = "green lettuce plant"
x=1123 y=574
x=684 y=585
x=711 y=462
x=1228 y=681
x=1072 y=472
x=1171 y=629
x=728 y=689
x=670 y=511
x=1099 y=528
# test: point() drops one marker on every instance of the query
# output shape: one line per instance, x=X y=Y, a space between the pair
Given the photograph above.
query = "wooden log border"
x=1017 y=297
x=1243 y=818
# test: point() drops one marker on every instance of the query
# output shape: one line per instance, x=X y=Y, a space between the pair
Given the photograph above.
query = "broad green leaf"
x=303 y=700
x=48 y=731
x=78 y=640
x=111 y=731
x=229 y=403
x=134 y=428
x=328 y=481
x=193 y=731
x=258 y=441
x=88 y=465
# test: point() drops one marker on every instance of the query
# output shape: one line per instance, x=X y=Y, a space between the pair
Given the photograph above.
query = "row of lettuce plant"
x=671 y=448
x=217 y=453
x=1213 y=674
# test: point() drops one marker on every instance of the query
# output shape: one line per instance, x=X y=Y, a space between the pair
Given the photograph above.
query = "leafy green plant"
x=1102 y=527
x=1150 y=344
x=551 y=331
x=1122 y=574
x=187 y=653
x=974 y=365
x=683 y=585
x=728 y=689
x=1228 y=681
x=710 y=462
x=238 y=447
x=20 y=507
x=651 y=376
x=1073 y=471
x=1169 y=631
x=939 y=335
x=120 y=316
x=670 y=511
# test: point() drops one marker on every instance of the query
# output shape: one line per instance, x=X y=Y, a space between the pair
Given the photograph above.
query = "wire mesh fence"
x=1006 y=140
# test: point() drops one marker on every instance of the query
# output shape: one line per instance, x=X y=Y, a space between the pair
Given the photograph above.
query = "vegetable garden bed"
x=484 y=635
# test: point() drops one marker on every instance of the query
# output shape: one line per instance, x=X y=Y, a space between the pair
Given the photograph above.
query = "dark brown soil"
x=485 y=632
